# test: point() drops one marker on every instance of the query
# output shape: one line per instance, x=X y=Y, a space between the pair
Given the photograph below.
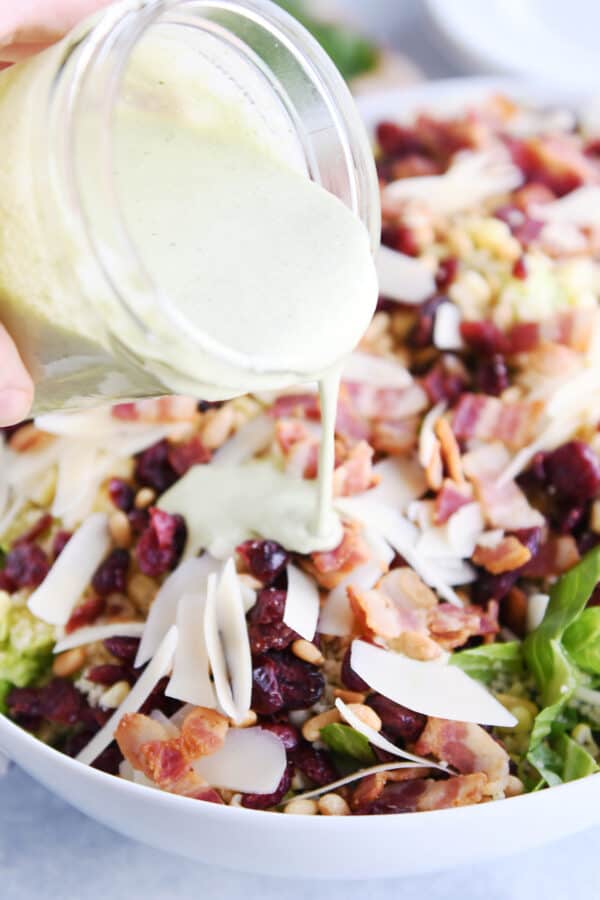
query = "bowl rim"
x=370 y=105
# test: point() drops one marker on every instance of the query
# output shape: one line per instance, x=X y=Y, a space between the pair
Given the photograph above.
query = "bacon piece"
x=368 y=790
x=573 y=328
x=556 y=555
x=331 y=566
x=133 y=732
x=203 y=732
x=551 y=359
x=488 y=418
x=299 y=406
x=399 y=604
x=406 y=588
x=300 y=447
x=450 y=450
x=507 y=555
x=355 y=475
x=452 y=626
x=558 y=161
x=158 y=409
x=504 y=505
x=459 y=790
x=422 y=794
x=396 y=437
x=387 y=403
x=449 y=499
x=467 y=748
x=348 y=424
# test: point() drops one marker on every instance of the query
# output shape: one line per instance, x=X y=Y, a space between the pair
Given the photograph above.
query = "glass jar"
x=87 y=316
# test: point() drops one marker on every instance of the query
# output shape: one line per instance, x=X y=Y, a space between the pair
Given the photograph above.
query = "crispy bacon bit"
x=331 y=566
x=158 y=409
x=166 y=760
x=299 y=406
x=377 y=616
x=450 y=450
x=299 y=446
x=355 y=475
x=406 y=588
x=449 y=499
x=507 y=555
x=387 y=403
x=452 y=626
x=459 y=790
x=421 y=794
x=557 y=161
x=487 y=418
x=395 y=437
x=399 y=604
x=467 y=748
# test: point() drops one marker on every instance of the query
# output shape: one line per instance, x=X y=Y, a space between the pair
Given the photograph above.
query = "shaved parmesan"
x=355 y=776
x=227 y=643
x=93 y=633
x=336 y=616
x=251 y=760
x=446 y=328
x=301 y=611
x=537 y=604
x=579 y=207
x=377 y=739
x=159 y=666
x=159 y=716
x=190 y=681
x=457 y=537
x=445 y=692
x=472 y=178
x=188 y=577
x=54 y=599
x=378 y=371
x=250 y=439
x=403 y=278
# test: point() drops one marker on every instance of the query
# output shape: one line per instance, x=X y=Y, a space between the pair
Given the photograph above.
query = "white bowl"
x=324 y=847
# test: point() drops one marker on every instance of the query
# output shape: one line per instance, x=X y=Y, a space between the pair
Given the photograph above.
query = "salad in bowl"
x=447 y=652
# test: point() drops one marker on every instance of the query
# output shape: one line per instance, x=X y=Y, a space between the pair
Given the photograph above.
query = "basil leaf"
x=582 y=640
x=554 y=671
x=489 y=660
x=345 y=740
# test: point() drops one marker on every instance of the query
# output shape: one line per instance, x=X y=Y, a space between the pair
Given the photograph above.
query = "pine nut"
x=349 y=696
x=115 y=695
x=120 y=529
x=141 y=590
x=236 y=800
x=301 y=807
x=144 y=498
x=333 y=805
x=308 y=651
x=249 y=719
x=69 y=662
x=366 y=715
x=514 y=786
x=311 y=730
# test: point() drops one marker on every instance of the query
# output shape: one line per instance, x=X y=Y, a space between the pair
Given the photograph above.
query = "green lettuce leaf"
x=490 y=660
x=346 y=741
x=582 y=640
x=25 y=646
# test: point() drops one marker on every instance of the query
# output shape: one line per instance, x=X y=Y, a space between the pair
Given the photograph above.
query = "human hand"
x=27 y=26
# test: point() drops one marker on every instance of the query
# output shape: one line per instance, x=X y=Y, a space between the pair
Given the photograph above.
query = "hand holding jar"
x=25 y=28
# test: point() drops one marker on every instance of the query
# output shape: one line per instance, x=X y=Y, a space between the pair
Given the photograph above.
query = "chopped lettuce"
x=25 y=646
x=487 y=662
x=582 y=640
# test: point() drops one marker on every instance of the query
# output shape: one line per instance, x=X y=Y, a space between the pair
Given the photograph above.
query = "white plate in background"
x=550 y=39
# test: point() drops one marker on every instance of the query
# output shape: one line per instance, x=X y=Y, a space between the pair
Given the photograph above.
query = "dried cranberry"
x=282 y=681
x=109 y=760
x=398 y=721
x=443 y=384
x=265 y=559
x=86 y=613
x=109 y=674
x=23 y=702
x=5 y=583
x=60 y=702
x=287 y=734
x=483 y=337
x=315 y=764
x=153 y=468
x=192 y=453
x=37 y=529
x=157 y=699
x=266 y=629
x=396 y=797
x=161 y=544
x=523 y=337
x=26 y=565
x=492 y=375
x=446 y=273
x=520 y=269
x=567 y=518
x=400 y=238
x=496 y=587
x=111 y=575
x=124 y=648
x=121 y=494
x=421 y=334
x=61 y=539
x=139 y=519
x=573 y=470
x=587 y=540
x=396 y=140
x=350 y=679
x=266 y=801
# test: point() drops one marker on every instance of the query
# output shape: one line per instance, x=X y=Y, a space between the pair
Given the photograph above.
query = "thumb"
x=16 y=387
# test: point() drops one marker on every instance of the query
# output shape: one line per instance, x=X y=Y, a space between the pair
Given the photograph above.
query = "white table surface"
x=52 y=852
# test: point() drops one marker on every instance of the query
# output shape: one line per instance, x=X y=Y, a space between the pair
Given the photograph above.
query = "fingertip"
x=15 y=404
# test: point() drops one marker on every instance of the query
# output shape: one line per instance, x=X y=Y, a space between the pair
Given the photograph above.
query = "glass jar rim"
x=103 y=47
